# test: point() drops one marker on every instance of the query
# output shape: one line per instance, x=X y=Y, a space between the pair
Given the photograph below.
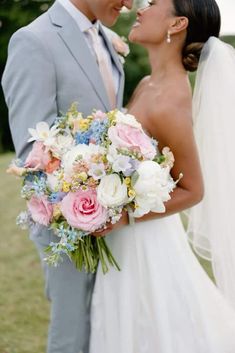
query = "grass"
x=23 y=307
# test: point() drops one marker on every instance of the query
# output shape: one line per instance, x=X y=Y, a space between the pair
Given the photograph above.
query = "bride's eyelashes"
x=151 y=2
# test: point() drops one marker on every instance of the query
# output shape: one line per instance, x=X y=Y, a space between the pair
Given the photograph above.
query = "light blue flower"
x=56 y=197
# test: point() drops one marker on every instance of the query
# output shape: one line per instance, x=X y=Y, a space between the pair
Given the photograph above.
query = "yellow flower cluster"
x=131 y=192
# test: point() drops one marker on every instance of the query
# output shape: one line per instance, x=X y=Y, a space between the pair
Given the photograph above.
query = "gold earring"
x=168 y=38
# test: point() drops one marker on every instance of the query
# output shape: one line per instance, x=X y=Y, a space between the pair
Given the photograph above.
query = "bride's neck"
x=165 y=61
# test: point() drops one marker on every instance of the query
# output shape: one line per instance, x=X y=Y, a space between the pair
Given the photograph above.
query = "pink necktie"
x=103 y=64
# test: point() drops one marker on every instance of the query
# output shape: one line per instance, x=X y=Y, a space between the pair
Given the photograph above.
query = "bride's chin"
x=133 y=38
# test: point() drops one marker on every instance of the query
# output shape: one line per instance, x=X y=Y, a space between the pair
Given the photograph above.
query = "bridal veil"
x=211 y=226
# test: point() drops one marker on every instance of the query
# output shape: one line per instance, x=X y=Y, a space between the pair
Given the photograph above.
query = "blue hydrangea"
x=83 y=137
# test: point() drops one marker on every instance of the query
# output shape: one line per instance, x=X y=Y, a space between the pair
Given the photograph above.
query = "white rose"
x=85 y=151
x=128 y=119
x=152 y=188
x=111 y=192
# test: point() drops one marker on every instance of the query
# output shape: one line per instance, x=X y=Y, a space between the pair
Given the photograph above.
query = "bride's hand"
x=111 y=227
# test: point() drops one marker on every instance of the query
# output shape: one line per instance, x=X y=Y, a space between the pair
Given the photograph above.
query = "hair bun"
x=191 y=56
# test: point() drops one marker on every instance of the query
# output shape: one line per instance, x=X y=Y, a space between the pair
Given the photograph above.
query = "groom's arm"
x=29 y=85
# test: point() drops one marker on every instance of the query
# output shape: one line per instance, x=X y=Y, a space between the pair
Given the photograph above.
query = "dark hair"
x=204 y=22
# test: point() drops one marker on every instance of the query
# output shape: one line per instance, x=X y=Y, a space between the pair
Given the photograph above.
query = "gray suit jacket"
x=50 y=66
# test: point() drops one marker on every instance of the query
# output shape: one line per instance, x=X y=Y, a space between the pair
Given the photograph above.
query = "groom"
x=55 y=61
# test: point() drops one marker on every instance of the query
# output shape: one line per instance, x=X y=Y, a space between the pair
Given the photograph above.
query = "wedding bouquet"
x=81 y=174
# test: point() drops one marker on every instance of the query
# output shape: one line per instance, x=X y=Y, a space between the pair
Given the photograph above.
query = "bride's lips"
x=137 y=23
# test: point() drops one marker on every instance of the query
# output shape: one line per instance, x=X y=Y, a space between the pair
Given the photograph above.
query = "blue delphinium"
x=34 y=184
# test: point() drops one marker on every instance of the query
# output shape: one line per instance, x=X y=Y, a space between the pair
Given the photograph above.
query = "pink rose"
x=41 y=210
x=82 y=210
x=127 y=136
x=39 y=157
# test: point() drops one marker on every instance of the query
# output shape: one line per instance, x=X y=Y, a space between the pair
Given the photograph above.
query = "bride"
x=162 y=301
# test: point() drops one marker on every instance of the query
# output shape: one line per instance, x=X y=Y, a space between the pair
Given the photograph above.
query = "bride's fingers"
x=102 y=233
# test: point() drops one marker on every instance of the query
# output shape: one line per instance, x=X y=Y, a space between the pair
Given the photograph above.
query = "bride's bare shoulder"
x=139 y=88
x=173 y=102
x=171 y=110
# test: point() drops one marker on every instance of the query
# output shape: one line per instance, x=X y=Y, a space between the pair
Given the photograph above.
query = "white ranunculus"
x=111 y=192
x=128 y=119
x=152 y=188
x=81 y=150
x=112 y=154
x=62 y=144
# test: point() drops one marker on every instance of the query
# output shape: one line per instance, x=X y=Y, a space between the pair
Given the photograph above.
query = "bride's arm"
x=174 y=128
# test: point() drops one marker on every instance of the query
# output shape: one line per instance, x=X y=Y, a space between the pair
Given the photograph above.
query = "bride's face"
x=152 y=22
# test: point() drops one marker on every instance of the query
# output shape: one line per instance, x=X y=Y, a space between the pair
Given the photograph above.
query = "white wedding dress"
x=162 y=301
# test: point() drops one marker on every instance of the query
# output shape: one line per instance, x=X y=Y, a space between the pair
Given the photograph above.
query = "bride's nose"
x=140 y=11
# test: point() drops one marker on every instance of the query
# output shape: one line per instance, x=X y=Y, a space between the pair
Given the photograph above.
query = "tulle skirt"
x=162 y=301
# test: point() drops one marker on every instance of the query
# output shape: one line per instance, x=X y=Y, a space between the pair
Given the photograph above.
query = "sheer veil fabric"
x=211 y=226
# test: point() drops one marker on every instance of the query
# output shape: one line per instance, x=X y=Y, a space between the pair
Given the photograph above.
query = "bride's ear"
x=179 y=24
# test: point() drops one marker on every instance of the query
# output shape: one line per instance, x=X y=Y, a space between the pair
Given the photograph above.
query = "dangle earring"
x=168 y=38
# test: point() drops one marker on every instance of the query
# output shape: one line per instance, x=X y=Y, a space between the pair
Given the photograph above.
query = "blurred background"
x=23 y=307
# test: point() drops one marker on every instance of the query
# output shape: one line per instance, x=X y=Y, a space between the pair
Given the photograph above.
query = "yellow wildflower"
x=66 y=186
x=84 y=124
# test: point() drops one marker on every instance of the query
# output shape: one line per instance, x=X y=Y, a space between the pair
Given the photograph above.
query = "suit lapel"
x=74 y=40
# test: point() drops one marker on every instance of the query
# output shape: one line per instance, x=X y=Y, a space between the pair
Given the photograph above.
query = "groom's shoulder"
x=41 y=27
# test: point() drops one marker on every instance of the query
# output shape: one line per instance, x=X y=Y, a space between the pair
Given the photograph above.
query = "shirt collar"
x=82 y=21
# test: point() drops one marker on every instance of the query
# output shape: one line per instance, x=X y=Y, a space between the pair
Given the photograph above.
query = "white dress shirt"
x=84 y=24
